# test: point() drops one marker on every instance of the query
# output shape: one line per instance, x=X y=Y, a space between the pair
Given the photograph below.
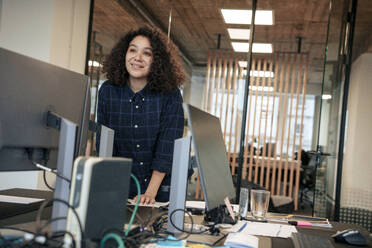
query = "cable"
x=192 y=222
x=159 y=222
x=51 y=171
x=140 y=220
x=158 y=218
x=50 y=221
x=114 y=236
x=218 y=240
x=137 y=203
x=26 y=242
x=69 y=234
x=38 y=217
x=46 y=182
x=10 y=242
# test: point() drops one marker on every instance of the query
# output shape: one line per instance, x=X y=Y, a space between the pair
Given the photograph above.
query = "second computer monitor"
x=210 y=151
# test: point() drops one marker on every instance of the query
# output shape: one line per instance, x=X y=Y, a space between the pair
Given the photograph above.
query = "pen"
x=299 y=223
x=242 y=227
x=306 y=223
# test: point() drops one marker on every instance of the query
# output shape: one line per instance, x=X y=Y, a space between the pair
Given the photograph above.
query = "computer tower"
x=99 y=193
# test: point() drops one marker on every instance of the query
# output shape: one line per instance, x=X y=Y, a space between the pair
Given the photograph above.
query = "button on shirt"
x=146 y=124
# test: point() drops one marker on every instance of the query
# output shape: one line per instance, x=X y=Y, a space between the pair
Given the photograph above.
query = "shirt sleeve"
x=101 y=111
x=172 y=124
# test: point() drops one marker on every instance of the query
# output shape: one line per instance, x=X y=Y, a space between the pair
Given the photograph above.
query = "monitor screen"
x=210 y=152
x=29 y=89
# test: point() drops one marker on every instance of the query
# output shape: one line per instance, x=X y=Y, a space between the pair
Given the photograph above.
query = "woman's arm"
x=152 y=190
x=172 y=123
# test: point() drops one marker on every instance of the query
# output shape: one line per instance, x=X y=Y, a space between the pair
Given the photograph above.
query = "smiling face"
x=138 y=59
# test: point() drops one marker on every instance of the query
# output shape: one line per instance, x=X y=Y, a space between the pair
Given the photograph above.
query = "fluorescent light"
x=94 y=63
x=260 y=88
x=238 y=33
x=240 y=16
x=243 y=64
x=326 y=97
x=257 y=47
x=259 y=73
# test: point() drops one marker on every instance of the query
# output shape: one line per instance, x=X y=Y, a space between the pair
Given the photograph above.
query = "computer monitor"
x=29 y=89
x=210 y=152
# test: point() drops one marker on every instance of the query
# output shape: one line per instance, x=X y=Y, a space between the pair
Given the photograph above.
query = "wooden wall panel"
x=273 y=115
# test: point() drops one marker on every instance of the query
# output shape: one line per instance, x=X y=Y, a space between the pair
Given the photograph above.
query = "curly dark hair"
x=166 y=72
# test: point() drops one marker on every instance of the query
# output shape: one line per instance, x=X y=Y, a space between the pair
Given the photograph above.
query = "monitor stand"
x=65 y=159
x=106 y=136
x=106 y=142
x=178 y=190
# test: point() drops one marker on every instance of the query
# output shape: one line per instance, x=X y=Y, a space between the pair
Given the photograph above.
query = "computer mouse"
x=351 y=237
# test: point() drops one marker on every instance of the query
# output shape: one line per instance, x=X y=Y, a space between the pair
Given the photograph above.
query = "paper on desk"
x=195 y=204
x=264 y=229
x=241 y=240
x=201 y=205
x=155 y=205
x=18 y=199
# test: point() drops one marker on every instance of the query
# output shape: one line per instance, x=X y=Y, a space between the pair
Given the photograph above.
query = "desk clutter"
x=149 y=231
x=263 y=229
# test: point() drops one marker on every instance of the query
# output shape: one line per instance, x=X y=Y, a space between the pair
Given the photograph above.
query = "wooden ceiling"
x=197 y=23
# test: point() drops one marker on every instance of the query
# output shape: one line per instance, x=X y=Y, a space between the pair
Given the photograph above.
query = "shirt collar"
x=142 y=94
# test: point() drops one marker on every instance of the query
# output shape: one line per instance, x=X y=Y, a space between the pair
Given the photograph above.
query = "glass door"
x=331 y=111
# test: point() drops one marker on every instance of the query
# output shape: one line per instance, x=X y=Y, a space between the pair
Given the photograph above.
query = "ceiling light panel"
x=266 y=74
x=240 y=16
x=243 y=64
x=257 y=47
x=238 y=33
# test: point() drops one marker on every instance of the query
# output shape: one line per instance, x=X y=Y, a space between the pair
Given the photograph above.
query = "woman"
x=142 y=102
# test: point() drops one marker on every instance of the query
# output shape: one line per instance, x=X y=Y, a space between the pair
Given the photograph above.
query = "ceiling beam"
x=141 y=14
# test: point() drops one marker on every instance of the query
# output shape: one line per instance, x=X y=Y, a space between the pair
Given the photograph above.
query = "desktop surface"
x=15 y=213
x=145 y=212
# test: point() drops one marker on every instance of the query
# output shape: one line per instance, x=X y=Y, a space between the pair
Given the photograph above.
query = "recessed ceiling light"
x=240 y=16
x=94 y=63
x=326 y=97
x=243 y=64
x=238 y=33
x=257 y=47
x=260 y=88
x=265 y=74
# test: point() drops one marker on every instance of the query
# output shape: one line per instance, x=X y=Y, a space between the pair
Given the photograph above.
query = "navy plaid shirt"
x=146 y=124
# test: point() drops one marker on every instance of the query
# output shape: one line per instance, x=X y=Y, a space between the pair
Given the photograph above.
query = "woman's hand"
x=152 y=189
x=146 y=198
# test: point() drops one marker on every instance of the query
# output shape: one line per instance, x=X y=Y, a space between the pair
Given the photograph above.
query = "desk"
x=265 y=242
x=322 y=232
x=12 y=213
x=268 y=242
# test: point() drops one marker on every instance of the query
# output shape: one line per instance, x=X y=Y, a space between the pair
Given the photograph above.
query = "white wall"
x=197 y=87
x=69 y=34
x=25 y=27
x=54 y=31
x=356 y=188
